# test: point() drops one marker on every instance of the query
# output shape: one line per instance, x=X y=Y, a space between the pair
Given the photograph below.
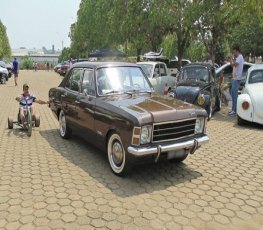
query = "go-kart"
x=30 y=121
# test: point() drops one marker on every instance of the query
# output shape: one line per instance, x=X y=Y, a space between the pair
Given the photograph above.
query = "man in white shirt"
x=237 y=62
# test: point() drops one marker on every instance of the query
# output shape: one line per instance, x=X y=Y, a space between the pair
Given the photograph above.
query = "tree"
x=5 y=50
x=65 y=54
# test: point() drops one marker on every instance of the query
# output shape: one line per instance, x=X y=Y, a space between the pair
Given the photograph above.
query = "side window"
x=88 y=84
x=73 y=82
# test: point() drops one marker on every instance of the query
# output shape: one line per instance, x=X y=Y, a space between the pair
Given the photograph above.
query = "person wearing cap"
x=27 y=99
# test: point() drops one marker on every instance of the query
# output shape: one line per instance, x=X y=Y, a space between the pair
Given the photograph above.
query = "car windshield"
x=194 y=73
x=256 y=76
x=112 y=80
x=147 y=69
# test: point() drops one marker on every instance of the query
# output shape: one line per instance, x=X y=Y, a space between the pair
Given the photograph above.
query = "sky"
x=34 y=24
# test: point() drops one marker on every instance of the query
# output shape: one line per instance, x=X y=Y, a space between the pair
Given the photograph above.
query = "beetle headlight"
x=199 y=125
x=245 y=105
x=146 y=132
x=201 y=99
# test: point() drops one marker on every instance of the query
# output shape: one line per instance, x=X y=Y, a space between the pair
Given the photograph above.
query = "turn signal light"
x=136 y=136
x=245 y=105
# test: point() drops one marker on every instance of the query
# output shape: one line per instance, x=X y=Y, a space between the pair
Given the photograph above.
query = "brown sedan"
x=114 y=107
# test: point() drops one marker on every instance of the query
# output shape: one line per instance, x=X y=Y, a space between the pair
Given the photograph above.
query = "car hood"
x=3 y=70
x=156 y=108
x=188 y=90
x=256 y=94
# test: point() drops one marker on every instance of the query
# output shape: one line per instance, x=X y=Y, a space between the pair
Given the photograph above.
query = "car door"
x=70 y=95
x=86 y=102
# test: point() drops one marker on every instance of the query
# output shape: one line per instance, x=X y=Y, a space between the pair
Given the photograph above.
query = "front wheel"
x=64 y=130
x=10 y=123
x=218 y=103
x=37 y=120
x=209 y=110
x=117 y=155
x=240 y=121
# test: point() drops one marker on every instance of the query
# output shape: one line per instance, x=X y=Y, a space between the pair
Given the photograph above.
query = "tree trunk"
x=139 y=50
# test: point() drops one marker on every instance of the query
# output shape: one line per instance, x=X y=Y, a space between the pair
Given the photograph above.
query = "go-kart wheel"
x=64 y=130
x=10 y=123
x=37 y=120
x=29 y=123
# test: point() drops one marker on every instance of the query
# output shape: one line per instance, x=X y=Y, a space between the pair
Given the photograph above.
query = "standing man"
x=237 y=62
x=15 y=70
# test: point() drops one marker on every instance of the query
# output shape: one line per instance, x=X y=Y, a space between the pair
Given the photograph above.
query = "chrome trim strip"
x=144 y=151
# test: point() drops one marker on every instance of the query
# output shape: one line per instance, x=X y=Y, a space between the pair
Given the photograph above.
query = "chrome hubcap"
x=117 y=153
x=62 y=124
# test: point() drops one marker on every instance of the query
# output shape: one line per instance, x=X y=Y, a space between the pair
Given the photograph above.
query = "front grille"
x=173 y=130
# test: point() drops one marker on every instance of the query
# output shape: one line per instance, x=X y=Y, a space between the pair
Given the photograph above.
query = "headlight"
x=245 y=105
x=146 y=132
x=199 y=125
x=201 y=99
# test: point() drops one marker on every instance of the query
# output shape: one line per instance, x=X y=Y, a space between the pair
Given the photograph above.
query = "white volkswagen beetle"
x=250 y=102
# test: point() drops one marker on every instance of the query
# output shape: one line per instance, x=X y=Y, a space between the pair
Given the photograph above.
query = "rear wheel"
x=29 y=123
x=117 y=155
x=64 y=130
x=10 y=123
x=37 y=120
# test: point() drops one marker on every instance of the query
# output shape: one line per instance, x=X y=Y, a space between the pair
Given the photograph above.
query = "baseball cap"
x=25 y=85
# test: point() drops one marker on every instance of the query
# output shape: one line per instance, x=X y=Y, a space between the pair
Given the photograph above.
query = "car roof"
x=204 y=64
x=150 y=62
x=218 y=70
x=93 y=64
x=256 y=67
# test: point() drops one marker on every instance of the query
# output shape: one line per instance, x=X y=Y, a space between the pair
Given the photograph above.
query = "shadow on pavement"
x=142 y=178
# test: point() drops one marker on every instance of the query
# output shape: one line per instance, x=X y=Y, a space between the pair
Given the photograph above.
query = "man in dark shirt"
x=15 y=70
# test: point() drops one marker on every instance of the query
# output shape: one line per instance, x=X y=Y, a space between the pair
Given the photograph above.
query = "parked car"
x=114 y=107
x=250 y=101
x=158 y=75
x=9 y=67
x=173 y=65
x=64 y=68
x=227 y=70
x=3 y=73
x=196 y=84
x=56 y=67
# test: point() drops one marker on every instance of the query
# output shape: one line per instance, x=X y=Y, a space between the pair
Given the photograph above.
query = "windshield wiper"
x=113 y=91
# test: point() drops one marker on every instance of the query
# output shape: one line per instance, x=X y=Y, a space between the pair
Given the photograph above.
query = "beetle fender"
x=246 y=114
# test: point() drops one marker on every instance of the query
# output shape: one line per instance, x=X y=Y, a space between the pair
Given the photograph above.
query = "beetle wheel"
x=209 y=111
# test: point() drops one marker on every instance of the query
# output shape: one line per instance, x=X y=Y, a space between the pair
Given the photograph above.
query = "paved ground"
x=50 y=183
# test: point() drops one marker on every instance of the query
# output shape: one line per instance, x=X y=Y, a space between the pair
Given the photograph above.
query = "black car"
x=196 y=84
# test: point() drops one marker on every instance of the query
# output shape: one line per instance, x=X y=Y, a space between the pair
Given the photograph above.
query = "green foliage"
x=5 y=50
x=25 y=62
x=183 y=28
x=65 y=55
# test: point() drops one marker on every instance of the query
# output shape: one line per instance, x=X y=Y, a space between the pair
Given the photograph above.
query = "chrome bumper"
x=190 y=144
